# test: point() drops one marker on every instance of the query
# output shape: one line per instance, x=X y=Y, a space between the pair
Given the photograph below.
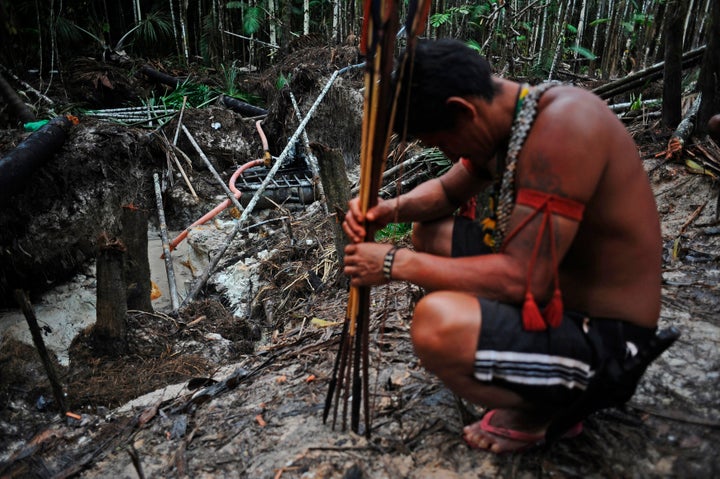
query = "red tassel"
x=532 y=319
x=553 y=312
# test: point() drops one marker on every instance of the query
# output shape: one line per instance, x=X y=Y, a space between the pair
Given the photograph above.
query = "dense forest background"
x=593 y=40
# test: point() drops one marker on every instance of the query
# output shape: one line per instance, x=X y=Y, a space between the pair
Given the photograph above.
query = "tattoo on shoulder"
x=539 y=174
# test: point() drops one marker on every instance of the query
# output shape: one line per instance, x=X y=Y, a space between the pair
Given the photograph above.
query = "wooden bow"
x=380 y=25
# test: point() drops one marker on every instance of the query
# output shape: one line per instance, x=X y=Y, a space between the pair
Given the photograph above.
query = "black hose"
x=18 y=166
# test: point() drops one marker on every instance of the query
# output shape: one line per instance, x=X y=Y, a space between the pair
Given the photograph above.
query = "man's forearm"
x=425 y=202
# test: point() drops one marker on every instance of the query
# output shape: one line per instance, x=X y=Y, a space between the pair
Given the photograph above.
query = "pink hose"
x=210 y=215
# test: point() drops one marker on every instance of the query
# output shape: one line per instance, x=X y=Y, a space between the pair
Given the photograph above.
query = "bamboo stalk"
x=212 y=169
x=166 y=246
x=311 y=156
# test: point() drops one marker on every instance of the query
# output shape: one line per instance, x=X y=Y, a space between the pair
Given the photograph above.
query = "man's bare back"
x=613 y=268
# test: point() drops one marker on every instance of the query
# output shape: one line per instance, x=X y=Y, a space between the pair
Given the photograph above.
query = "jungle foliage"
x=603 y=39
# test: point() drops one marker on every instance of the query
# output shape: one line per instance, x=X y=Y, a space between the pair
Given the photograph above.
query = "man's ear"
x=461 y=107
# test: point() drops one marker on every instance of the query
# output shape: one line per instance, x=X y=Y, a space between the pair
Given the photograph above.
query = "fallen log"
x=245 y=109
x=160 y=77
x=19 y=164
x=21 y=110
x=639 y=78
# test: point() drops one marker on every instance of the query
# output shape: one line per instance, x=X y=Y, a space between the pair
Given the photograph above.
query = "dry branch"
x=31 y=319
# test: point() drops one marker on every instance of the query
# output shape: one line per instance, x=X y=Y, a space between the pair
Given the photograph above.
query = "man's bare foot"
x=505 y=430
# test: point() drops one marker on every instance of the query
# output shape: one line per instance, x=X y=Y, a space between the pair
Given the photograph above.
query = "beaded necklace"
x=525 y=113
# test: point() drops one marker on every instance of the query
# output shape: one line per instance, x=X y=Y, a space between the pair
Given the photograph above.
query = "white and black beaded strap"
x=520 y=129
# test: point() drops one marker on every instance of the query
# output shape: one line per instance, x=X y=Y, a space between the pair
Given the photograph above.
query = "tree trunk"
x=184 y=29
x=596 y=31
x=710 y=71
x=221 y=31
x=688 y=20
x=611 y=38
x=580 y=29
x=654 y=42
x=543 y=29
x=337 y=191
x=557 y=56
x=306 y=17
x=272 y=19
x=110 y=324
x=134 y=236
x=672 y=84
x=176 y=39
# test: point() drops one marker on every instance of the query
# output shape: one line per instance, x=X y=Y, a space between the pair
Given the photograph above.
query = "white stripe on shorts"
x=532 y=369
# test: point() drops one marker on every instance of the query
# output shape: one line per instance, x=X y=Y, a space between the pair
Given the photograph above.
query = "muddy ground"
x=234 y=386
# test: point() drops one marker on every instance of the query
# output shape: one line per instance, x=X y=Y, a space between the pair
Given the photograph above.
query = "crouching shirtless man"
x=573 y=212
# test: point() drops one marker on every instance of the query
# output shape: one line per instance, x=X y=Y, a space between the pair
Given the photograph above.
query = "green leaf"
x=583 y=51
x=599 y=21
x=281 y=82
x=474 y=45
x=572 y=28
x=251 y=20
x=438 y=19
x=394 y=231
x=234 y=5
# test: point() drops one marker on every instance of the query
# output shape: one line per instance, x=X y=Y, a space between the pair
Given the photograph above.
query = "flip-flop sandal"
x=530 y=439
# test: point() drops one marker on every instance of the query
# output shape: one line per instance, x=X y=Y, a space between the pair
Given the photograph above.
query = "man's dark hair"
x=441 y=69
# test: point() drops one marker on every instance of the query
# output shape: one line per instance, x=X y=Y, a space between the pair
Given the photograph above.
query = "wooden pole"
x=31 y=319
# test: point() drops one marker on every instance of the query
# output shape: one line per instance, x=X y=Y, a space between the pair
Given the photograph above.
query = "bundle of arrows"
x=349 y=381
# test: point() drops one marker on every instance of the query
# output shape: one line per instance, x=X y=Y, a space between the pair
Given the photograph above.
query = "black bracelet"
x=388 y=262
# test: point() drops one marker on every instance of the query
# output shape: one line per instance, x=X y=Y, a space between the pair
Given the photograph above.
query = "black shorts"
x=550 y=368
x=467 y=238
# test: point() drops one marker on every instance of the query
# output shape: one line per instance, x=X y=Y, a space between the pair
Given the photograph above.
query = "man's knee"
x=433 y=236
x=426 y=324
x=445 y=324
x=420 y=237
